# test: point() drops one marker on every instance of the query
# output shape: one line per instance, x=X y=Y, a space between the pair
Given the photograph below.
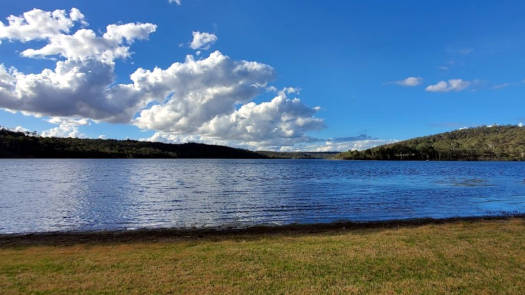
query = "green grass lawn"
x=466 y=257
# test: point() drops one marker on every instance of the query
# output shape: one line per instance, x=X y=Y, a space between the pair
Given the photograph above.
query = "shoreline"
x=153 y=235
x=261 y=158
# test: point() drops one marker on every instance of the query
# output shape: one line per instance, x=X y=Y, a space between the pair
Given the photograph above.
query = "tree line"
x=29 y=145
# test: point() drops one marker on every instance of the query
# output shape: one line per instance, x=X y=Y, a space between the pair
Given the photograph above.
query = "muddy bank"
x=146 y=235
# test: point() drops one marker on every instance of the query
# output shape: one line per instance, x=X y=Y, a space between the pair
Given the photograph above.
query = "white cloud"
x=54 y=27
x=410 y=81
x=281 y=121
x=305 y=144
x=85 y=45
x=67 y=127
x=20 y=129
x=447 y=86
x=77 y=16
x=290 y=90
x=209 y=99
x=160 y=136
x=129 y=32
x=199 y=90
x=79 y=83
x=202 y=40
x=205 y=100
x=71 y=89
x=178 y=2
x=520 y=124
x=341 y=146
x=37 y=24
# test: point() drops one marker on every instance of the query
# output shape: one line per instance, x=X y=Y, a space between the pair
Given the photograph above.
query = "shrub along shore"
x=465 y=256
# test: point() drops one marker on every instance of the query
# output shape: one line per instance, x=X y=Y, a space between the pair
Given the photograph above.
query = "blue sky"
x=464 y=61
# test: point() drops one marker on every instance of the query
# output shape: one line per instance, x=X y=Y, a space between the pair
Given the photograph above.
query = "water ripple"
x=61 y=195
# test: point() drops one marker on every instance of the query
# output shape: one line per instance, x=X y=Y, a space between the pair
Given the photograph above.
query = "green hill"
x=497 y=143
x=21 y=145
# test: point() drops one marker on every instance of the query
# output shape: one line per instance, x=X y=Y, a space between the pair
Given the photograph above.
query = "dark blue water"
x=38 y=195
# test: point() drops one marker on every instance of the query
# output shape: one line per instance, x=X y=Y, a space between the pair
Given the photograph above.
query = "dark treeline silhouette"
x=497 y=143
x=29 y=145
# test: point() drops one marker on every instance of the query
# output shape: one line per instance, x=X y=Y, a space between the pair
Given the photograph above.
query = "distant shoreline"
x=283 y=158
x=500 y=143
x=145 y=234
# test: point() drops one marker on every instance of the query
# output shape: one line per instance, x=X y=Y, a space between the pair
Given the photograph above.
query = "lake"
x=41 y=195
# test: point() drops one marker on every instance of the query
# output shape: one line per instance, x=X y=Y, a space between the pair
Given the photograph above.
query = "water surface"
x=39 y=195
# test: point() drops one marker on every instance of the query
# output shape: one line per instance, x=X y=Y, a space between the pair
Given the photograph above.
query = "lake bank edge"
x=155 y=234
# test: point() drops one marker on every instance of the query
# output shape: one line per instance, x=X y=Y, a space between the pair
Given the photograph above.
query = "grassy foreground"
x=465 y=257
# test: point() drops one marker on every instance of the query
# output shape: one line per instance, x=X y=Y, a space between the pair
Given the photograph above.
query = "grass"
x=461 y=257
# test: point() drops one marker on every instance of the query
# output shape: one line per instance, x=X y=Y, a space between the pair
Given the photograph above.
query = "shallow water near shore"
x=41 y=195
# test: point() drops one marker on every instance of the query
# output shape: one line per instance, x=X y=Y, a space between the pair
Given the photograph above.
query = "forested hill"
x=497 y=143
x=20 y=145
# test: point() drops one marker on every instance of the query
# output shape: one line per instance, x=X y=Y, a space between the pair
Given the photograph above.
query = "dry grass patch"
x=482 y=257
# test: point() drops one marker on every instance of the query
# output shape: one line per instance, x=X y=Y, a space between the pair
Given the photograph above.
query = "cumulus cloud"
x=165 y=137
x=281 y=121
x=38 y=24
x=202 y=40
x=79 y=83
x=67 y=127
x=20 y=129
x=352 y=145
x=178 y=2
x=85 y=45
x=208 y=107
x=71 y=89
x=78 y=16
x=209 y=99
x=198 y=91
x=410 y=81
x=447 y=86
